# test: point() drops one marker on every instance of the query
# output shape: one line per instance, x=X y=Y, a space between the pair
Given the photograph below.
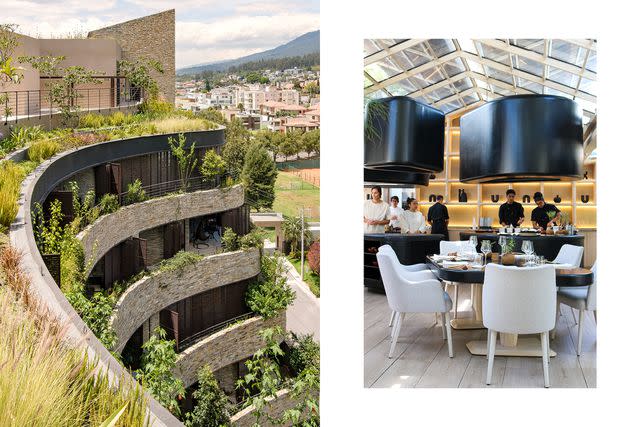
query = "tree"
x=311 y=141
x=212 y=405
x=8 y=73
x=237 y=140
x=272 y=141
x=259 y=177
x=292 y=144
x=313 y=257
x=292 y=229
x=311 y=88
x=240 y=106
x=158 y=361
x=270 y=294
x=207 y=85
x=212 y=166
x=186 y=159
x=138 y=73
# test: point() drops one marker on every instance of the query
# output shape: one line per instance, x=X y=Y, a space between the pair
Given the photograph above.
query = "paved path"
x=303 y=316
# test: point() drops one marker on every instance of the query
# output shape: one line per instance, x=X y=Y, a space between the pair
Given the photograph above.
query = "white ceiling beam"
x=587 y=44
x=441 y=84
x=456 y=96
x=375 y=57
x=574 y=69
x=412 y=72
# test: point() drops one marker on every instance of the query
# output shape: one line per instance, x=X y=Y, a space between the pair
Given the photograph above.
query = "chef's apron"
x=440 y=227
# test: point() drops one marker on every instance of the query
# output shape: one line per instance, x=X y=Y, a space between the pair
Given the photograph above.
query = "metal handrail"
x=20 y=104
x=160 y=189
x=199 y=336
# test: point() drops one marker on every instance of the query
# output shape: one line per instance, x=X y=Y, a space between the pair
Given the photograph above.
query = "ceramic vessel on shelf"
x=557 y=199
x=432 y=197
x=495 y=198
x=462 y=196
x=584 y=198
x=526 y=199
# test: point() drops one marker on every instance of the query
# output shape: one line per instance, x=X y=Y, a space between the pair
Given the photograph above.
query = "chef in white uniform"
x=412 y=220
x=396 y=212
x=376 y=212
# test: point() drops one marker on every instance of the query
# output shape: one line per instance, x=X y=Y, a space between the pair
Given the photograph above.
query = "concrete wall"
x=227 y=346
x=151 y=294
x=109 y=230
x=100 y=55
x=152 y=36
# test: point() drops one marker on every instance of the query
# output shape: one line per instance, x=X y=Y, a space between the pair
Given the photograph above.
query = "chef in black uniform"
x=438 y=218
x=539 y=216
x=511 y=213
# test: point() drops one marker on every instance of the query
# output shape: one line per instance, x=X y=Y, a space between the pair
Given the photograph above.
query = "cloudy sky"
x=206 y=30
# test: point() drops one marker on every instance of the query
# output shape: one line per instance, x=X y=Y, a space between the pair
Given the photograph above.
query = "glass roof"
x=453 y=74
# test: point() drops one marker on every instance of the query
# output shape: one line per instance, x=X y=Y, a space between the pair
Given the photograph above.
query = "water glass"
x=473 y=240
x=502 y=241
x=486 y=249
x=527 y=248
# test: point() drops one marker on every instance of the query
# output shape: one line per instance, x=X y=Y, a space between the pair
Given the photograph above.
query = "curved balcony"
x=109 y=230
x=34 y=189
x=224 y=347
x=152 y=293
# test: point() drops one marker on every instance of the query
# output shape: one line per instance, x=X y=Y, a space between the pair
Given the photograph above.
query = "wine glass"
x=485 y=249
x=473 y=241
x=527 y=248
x=502 y=241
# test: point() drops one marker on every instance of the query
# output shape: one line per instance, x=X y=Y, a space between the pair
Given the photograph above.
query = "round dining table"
x=510 y=344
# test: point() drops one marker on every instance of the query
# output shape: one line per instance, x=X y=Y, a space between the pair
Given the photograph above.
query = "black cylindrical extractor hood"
x=403 y=135
x=522 y=138
x=379 y=176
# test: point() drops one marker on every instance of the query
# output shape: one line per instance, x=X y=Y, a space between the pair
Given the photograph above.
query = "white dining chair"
x=447 y=247
x=582 y=298
x=519 y=300
x=415 y=272
x=571 y=256
x=412 y=296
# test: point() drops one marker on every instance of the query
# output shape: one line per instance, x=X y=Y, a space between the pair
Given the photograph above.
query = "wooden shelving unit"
x=479 y=203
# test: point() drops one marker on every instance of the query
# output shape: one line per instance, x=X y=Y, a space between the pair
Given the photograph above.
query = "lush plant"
x=212 y=166
x=43 y=149
x=8 y=72
x=272 y=141
x=230 y=241
x=64 y=387
x=96 y=312
x=155 y=108
x=21 y=136
x=212 y=115
x=292 y=229
x=186 y=158
x=263 y=378
x=253 y=239
x=293 y=143
x=181 y=124
x=91 y=120
x=313 y=257
x=237 y=139
x=179 y=261
x=135 y=193
x=108 y=204
x=11 y=176
x=305 y=388
x=259 y=177
x=212 y=407
x=158 y=361
x=138 y=73
x=304 y=353
x=311 y=141
x=311 y=88
x=270 y=294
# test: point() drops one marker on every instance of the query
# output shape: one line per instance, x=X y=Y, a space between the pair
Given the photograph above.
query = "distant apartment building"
x=148 y=37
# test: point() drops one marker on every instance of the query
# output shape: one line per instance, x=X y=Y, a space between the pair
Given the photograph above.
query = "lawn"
x=292 y=193
x=310 y=278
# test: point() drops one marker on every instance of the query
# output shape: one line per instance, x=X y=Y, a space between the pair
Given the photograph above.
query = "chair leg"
x=595 y=316
x=553 y=332
x=544 y=337
x=397 y=327
x=444 y=329
x=447 y=319
x=455 y=301
x=393 y=314
x=492 y=353
x=580 y=327
x=575 y=322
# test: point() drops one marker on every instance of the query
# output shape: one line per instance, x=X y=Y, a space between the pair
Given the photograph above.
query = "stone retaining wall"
x=109 y=230
x=227 y=346
x=152 y=293
x=275 y=407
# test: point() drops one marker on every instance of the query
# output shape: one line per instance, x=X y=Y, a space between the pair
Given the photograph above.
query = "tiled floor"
x=421 y=357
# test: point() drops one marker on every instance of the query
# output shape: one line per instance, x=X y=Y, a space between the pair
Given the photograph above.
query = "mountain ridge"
x=302 y=45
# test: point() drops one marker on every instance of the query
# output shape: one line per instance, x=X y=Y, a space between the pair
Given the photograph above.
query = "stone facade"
x=155 y=244
x=86 y=181
x=152 y=36
x=275 y=408
x=152 y=293
x=224 y=347
x=109 y=230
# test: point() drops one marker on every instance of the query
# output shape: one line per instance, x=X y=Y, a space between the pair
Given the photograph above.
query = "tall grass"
x=44 y=382
x=43 y=149
x=11 y=176
x=181 y=124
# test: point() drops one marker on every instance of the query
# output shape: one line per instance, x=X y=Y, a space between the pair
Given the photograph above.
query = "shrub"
x=42 y=150
x=154 y=108
x=230 y=241
x=158 y=361
x=108 y=204
x=304 y=353
x=117 y=119
x=181 y=124
x=212 y=166
x=270 y=294
x=186 y=158
x=212 y=405
x=292 y=228
x=179 y=261
x=258 y=176
x=92 y=120
x=313 y=257
x=253 y=239
x=135 y=193
x=21 y=136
